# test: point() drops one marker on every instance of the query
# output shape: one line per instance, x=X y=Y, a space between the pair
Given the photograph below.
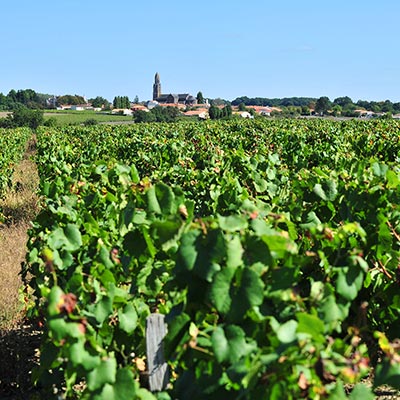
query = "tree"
x=136 y=99
x=144 y=116
x=218 y=102
x=200 y=98
x=121 y=102
x=337 y=110
x=387 y=107
x=227 y=111
x=242 y=107
x=24 y=117
x=99 y=102
x=322 y=105
x=70 y=99
x=343 y=101
x=214 y=112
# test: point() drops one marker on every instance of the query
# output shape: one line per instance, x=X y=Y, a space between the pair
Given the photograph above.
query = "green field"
x=79 y=117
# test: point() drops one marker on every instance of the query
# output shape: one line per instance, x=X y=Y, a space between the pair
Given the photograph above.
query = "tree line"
x=340 y=106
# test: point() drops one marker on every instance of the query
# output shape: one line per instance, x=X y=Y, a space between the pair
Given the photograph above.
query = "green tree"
x=136 y=99
x=99 y=102
x=200 y=98
x=337 y=110
x=144 y=116
x=242 y=107
x=117 y=102
x=214 y=112
x=24 y=117
x=70 y=99
x=343 y=101
x=322 y=105
x=228 y=111
x=121 y=102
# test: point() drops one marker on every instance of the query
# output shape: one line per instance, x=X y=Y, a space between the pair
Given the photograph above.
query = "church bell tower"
x=156 y=87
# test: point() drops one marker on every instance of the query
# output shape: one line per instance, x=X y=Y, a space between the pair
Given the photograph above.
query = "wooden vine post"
x=156 y=329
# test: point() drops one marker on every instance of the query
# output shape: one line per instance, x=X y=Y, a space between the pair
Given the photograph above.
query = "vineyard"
x=12 y=144
x=271 y=247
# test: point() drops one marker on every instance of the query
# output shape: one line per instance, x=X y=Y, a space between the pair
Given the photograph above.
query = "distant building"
x=159 y=97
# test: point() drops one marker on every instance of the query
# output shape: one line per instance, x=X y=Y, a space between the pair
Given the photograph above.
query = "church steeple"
x=156 y=87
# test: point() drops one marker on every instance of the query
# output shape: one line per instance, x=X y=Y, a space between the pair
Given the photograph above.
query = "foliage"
x=90 y=122
x=219 y=113
x=12 y=143
x=121 y=102
x=272 y=248
x=200 y=98
x=23 y=117
x=26 y=98
x=100 y=102
x=70 y=99
x=322 y=105
x=345 y=102
x=157 y=114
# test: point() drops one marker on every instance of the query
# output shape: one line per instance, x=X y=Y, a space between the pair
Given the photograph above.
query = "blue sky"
x=223 y=48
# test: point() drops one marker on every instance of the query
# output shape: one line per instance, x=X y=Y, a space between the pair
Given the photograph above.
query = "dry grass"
x=19 y=206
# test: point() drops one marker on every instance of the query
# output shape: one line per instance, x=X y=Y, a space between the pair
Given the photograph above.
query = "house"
x=201 y=113
x=122 y=111
x=364 y=113
x=78 y=107
x=246 y=114
x=262 y=110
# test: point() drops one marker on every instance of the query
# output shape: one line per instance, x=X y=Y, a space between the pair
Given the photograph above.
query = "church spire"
x=156 y=87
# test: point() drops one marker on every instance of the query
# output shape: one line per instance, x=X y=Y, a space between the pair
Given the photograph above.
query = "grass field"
x=79 y=117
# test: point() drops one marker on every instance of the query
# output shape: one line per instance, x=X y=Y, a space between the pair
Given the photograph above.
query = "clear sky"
x=223 y=48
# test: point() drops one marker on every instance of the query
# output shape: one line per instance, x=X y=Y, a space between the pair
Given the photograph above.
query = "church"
x=182 y=98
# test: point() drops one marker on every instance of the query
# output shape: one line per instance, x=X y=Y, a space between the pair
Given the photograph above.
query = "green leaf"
x=361 y=392
x=128 y=318
x=61 y=329
x=103 y=309
x=80 y=356
x=73 y=238
x=349 y=281
x=124 y=387
x=387 y=373
x=393 y=180
x=234 y=252
x=54 y=300
x=251 y=288
x=279 y=245
x=178 y=326
x=152 y=201
x=166 y=198
x=260 y=184
x=338 y=393
x=232 y=223
x=330 y=309
x=220 y=290
x=327 y=190
x=311 y=325
x=229 y=344
x=286 y=332
x=187 y=250
x=102 y=374
x=56 y=239
x=379 y=169
x=312 y=221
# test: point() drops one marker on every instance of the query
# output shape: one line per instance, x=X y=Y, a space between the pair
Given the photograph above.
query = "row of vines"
x=272 y=248
x=12 y=145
